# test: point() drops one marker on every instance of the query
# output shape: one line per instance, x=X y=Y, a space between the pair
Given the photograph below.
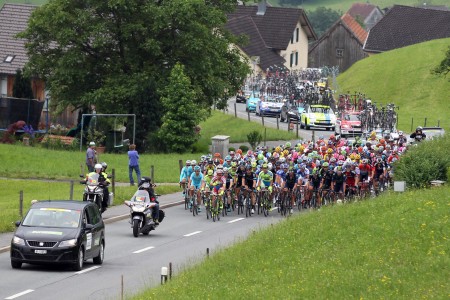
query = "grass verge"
x=42 y=190
x=394 y=247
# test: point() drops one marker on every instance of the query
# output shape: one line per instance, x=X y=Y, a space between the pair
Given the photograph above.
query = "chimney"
x=262 y=6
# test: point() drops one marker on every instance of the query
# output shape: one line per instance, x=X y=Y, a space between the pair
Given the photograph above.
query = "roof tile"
x=354 y=26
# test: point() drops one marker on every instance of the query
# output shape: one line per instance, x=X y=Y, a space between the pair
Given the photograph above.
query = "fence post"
x=314 y=136
x=425 y=123
x=439 y=123
x=71 y=190
x=297 y=130
x=248 y=114
x=180 y=163
x=412 y=123
x=152 y=173
x=21 y=204
x=265 y=135
x=278 y=123
x=262 y=117
x=113 y=183
x=235 y=110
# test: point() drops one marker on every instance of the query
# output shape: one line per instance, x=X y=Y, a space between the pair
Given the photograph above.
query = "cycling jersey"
x=350 y=177
x=249 y=179
x=228 y=180
x=290 y=180
x=315 y=181
x=266 y=178
x=196 y=180
x=185 y=173
x=327 y=179
x=207 y=180
x=217 y=183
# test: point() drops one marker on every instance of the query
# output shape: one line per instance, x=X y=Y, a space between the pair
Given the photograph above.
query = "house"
x=13 y=56
x=366 y=13
x=341 y=45
x=277 y=36
x=404 y=26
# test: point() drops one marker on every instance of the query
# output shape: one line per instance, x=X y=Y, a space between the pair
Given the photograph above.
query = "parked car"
x=349 y=124
x=291 y=111
x=59 y=232
x=252 y=101
x=269 y=106
x=317 y=115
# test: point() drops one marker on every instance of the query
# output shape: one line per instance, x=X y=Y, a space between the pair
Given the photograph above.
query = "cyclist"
x=290 y=185
x=379 y=172
x=228 y=186
x=265 y=180
x=194 y=185
x=248 y=182
x=338 y=183
x=350 y=177
x=209 y=166
x=218 y=182
x=184 y=175
x=206 y=183
x=326 y=174
x=313 y=186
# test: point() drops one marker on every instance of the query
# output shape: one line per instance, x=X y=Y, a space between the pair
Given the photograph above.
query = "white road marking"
x=192 y=233
x=145 y=249
x=87 y=270
x=20 y=294
x=236 y=220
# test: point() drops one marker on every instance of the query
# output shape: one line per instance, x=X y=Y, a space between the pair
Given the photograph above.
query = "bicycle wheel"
x=248 y=206
x=265 y=205
x=207 y=210
x=186 y=200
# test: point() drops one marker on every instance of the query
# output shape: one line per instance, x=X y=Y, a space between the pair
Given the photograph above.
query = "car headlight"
x=311 y=117
x=68 y=243
x=18 y=241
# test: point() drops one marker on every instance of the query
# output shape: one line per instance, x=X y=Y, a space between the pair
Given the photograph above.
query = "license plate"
x=40 y=251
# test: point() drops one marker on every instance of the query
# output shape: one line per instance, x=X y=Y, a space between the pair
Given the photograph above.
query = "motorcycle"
x=141 y=209
x=93 y=192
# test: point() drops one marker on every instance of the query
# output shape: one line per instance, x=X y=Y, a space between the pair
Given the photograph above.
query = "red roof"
x=354 y=26
x=361 y=9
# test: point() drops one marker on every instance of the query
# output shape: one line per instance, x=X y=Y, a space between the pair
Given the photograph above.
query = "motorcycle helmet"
x=104 y=165
x=98 y=166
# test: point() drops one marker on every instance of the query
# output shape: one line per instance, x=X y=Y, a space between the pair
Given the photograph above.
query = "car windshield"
x=348 y=117
x=323 y=110
x=52 y=217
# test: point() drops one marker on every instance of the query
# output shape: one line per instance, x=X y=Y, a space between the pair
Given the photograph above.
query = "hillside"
x=394 y=247
x=403 y=76
x=344 y=5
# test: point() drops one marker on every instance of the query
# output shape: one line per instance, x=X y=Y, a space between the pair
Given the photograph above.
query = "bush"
x=424 y=163
x=231 y=149
x=244 y=148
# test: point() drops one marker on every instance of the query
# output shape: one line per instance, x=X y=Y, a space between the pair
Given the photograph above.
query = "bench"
x=66 y=140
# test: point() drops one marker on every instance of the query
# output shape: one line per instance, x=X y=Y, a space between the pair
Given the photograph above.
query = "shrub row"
x=425 y=162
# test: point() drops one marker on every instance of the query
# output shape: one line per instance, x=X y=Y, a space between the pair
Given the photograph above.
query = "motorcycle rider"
x=418 y=135
x=104 y=182
x=146 y=185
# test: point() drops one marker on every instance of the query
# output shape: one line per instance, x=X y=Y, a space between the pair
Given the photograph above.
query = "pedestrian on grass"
x=133 y=164
x=90 y=157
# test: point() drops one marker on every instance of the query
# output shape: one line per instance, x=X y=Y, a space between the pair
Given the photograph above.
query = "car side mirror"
x=17 y=223
x=88 y=227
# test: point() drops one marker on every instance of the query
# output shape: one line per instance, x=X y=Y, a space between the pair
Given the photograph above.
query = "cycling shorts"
x=339 y=188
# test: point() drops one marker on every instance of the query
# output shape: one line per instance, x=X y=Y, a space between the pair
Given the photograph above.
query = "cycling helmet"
x=216 y=154
x=249 y=153
x=419 y=128
x=265 y=166
x=339 y=169
x=193 y=162
x=253 y=164
x=365 y=161
x=232 y=153
x=248 y=167
x=314 y=171
x=188 y=162
x=260 y=156
x=325 y=164
x=277 y=149
x=379 y=160
x=239 y=151
x=219 y=167
x=269 y=165
x=233 y=164
x=219 y=171
x=210 y=172
x=227 y=158
x=197 y=168
x=104 y=165
x=98 y=166
x=340 y=162
x=329 y=151
x=400 y=133
x=225 y=169
x=287 y=145
x=210 y=161
x=282 y=160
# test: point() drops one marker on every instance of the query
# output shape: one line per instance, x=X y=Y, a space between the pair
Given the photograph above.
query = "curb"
x=113 y=219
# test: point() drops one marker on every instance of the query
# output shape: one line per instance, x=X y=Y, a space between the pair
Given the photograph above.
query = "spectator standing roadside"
x=133 y=164
x=90 y=157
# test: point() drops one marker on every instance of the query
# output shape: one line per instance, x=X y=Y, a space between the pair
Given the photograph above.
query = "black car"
x=59 y=232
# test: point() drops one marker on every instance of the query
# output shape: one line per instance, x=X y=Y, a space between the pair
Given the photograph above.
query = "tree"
x=177 y=134
x=322 y=18
x=119 y=54
x=22 y=86
x=444 y=67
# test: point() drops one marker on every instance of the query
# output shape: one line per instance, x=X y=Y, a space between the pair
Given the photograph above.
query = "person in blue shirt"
x=133 y=164
x=194 y=184
x=184 y=175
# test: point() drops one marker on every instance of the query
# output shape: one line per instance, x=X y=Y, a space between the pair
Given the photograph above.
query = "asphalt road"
x=272 y=121
x=180 y=239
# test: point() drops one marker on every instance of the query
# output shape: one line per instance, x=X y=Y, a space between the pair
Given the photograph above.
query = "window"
x=93 y=215
x=296 y=58
x=292 y=39
x=296 y=34
x=339 y=52
x=9 y=58
x=292 y=60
